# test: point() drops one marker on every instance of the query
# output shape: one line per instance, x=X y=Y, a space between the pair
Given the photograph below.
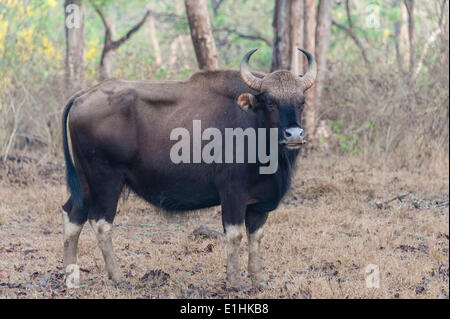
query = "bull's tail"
x=72 y=176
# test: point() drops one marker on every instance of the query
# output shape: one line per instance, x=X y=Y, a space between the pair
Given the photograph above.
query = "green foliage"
x=360 y=107
x=345 y=142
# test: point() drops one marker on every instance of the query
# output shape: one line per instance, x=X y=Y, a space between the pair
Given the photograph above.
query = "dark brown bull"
x=120 y=136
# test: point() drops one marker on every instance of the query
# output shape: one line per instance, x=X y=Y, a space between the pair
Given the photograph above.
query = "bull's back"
x=130 y=123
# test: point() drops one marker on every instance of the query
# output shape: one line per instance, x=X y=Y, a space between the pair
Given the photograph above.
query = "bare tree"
x=288 y=35
x=178 y=46
x=215 y=4
x=309 y=38
x=431 y=39
x=74 y=24
x=110 y=45
x=409 y=4
x=309 y=43
x=323 y=34
x=295 y=26
x=154 y=40
x=201 y=34
x=350 y=32
x=397 y=39
x=250 y=35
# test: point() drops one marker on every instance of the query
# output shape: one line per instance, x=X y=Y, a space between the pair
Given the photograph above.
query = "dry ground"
x=335 y=221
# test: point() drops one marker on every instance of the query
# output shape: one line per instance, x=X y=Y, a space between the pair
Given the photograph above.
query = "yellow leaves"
x=7 y=82
x=25 y=11
x=11 y=4
x=90 y=54
x=26 y=34
x=346 y=46
x=25 y=45
x=120 y=72
x=29 y=41
x=48 y=50
x=52 y=3
x=92 y=50
x=386 y=33
x=22 y=11
x=3 y=32
x=26 y=37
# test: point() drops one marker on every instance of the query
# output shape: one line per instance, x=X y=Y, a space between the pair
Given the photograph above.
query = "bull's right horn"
x=252 y=81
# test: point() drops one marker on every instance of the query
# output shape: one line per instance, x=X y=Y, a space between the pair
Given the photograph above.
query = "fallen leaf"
x=158 y=277
x=3 y=274
x=28 y=250
x=19 y=268
x=205 y=232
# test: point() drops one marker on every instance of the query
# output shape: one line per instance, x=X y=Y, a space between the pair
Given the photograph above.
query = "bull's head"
x=281 y=97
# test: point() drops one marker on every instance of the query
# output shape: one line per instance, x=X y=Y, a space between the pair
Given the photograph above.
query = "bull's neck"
x=286 y=164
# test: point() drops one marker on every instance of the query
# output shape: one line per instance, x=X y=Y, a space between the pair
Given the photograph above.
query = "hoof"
x=232 y=282
x=72 y=276
x=259 y=283
x=116 y=278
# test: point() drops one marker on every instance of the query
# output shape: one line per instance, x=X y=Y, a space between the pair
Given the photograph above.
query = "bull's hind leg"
x=254 y=222
x=73 y=220
x=105 y=195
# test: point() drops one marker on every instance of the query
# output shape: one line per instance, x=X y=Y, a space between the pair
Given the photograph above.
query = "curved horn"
x=252 y=81
x=310 y=76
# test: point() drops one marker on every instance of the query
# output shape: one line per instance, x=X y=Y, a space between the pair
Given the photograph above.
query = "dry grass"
x=316 y=245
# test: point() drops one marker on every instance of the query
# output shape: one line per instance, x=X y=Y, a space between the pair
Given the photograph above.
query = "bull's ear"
x=247 y=102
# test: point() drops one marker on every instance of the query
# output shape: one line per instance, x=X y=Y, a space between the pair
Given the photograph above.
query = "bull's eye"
x=302 y=104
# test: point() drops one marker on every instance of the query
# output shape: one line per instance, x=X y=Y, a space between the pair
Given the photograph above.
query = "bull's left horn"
x=252 y=81
x=310 y=76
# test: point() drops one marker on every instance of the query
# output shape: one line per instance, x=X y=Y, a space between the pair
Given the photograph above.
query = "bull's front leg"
x=233 y=218
x=234 y=234
x=254 y=222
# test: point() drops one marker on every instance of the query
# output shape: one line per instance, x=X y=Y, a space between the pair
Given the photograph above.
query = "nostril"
x=288 y=134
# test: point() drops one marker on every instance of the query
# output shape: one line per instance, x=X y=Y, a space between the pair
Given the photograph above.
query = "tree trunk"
x=297 y=35
x=323 y=34
x=154 y=40
x=403 y=38
x=288 y=35
x=409 y=4
x=107 y=64
x=309 y=40
x=110 y=45
x=74 y=25
x=201 y=34
x=398 y=52
x=177 y=46
x=108 y=55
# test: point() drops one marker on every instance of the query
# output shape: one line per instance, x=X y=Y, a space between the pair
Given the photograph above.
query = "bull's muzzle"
x=294 y=137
